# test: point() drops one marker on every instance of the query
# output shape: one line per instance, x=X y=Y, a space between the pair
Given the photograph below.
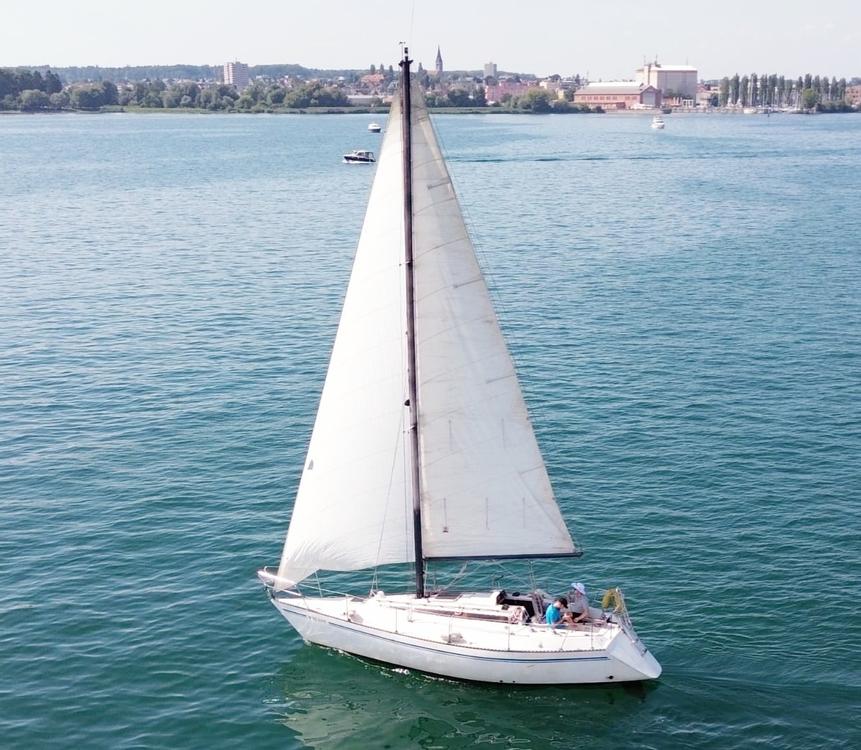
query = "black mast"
x=413 y=398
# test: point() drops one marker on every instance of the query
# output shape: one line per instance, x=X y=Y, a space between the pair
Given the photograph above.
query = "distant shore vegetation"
x=31 y=91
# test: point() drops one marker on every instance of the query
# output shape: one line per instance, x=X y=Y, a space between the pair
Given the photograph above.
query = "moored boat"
x=359 y=156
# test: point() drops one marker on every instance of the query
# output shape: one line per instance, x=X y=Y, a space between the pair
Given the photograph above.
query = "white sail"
x=351 y=508
x=485 y=489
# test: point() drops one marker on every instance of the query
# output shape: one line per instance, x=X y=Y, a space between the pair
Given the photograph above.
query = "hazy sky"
x=604 y=38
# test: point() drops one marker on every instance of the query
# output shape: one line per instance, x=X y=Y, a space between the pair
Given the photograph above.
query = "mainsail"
x=485 y=490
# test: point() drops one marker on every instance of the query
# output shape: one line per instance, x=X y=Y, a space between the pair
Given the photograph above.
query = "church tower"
x=438 y=62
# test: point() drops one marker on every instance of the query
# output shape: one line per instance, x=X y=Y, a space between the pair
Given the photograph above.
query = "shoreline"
x=384 y=111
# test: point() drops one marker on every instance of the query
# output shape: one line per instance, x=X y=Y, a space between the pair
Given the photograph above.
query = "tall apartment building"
x=236 y=74
x=490 y=70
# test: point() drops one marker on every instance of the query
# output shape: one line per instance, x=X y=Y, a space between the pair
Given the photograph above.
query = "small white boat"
x=657 y=122
x=358 y=156
x=375 y=127
x=423 y=454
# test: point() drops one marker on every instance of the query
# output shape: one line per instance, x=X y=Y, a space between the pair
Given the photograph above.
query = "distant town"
x=237 y=87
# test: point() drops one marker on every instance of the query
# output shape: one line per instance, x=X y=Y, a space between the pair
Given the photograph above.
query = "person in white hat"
x=579 y=603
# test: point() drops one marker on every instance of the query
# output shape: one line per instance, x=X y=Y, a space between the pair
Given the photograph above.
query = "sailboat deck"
x=466 y=621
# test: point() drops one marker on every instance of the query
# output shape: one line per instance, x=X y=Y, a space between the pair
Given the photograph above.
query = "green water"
x=683 y=307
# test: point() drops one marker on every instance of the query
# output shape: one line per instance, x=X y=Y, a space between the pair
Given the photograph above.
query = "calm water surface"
x=683 y=307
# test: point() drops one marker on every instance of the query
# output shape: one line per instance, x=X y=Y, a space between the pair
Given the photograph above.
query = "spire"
x=438 y=61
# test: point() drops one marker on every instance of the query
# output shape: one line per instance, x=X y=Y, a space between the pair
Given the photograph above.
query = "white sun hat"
x=579 y=587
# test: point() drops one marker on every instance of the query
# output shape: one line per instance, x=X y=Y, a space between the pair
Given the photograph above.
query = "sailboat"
x=423 y=452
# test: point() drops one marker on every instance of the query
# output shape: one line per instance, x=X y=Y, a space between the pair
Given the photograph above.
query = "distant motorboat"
x=375 y=127
x=359 y=157
x=657 y=122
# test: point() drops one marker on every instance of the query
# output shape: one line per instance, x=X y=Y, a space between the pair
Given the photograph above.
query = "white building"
x=679 y=80
x=490 y=70
x=236 y=74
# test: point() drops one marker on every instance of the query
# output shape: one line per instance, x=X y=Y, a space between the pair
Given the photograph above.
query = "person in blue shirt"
x=557 y=614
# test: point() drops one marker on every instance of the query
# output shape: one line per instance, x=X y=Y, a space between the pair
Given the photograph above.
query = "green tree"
x=734 y=85
x=33 y=100
x=754 y=94
x=87 y=97
x=724 y=92
x=109 y=93
x=534 y=100
x=459 y=98
x=171 y=98
x=809 y=98
x=744 y=91
x=53 y=84
x=276 y=95
x=246 y=101
x=59 y=100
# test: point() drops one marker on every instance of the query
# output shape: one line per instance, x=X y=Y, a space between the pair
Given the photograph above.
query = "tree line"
x=535 y=99
x=772 y=90
x=30 y=91
x=258 y=97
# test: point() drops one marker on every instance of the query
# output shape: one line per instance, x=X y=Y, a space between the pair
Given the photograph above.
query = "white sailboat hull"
x=397 y=631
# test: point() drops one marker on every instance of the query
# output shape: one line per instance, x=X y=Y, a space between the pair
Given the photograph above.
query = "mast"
x=412 y=398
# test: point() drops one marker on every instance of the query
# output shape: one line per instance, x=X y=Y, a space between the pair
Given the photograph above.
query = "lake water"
x=684 y=310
